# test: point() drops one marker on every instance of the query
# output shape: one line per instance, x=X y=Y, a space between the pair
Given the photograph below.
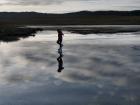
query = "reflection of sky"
x=61 y=6
x=96 y=72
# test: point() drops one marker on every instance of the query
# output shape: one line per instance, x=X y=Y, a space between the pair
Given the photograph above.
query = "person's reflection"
x=60 y=59
x=60 y=50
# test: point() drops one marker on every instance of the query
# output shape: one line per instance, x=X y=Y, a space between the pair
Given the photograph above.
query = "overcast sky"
x=62 y=6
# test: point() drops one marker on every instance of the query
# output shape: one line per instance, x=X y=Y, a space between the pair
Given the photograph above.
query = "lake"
x=91 y=69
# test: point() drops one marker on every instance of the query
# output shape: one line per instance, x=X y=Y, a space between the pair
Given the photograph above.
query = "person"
x=60 y=36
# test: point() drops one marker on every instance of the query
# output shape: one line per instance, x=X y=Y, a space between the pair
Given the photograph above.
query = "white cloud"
x=68 y=6
x=37 y=2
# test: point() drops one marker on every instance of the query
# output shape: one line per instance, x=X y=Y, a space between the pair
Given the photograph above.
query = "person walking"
x=60 y=37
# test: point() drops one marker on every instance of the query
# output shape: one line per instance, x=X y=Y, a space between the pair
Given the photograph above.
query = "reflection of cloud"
x=94 y=64
x=17 y=78
x=96 y=73
x=102 y=64
x=17 y=67
x=121 y=81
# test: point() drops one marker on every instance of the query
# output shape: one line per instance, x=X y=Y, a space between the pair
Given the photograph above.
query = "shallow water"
x=99 y=69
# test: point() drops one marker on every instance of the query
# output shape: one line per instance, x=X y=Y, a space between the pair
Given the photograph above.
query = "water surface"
x=99 y=69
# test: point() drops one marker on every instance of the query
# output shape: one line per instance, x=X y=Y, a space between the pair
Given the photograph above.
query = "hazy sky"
x=61 y=6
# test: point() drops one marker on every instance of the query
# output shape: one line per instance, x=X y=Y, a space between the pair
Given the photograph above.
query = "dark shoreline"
x=100 y=30
x=93 y=29
x=9 y=34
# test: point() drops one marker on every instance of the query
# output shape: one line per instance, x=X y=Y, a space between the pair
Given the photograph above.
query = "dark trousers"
x=59 y=41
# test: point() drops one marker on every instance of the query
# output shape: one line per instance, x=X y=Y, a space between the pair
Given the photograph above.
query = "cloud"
x=36 y=2
x=61 y=6
x=46 y=2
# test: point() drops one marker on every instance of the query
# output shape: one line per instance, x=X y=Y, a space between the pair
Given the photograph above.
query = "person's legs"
x=60 y=40
x=57 y=42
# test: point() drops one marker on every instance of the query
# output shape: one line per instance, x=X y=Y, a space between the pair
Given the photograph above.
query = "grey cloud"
x=39 y=2
x=69 y=5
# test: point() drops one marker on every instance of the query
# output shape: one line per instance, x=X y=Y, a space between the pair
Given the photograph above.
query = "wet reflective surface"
x=93 y=69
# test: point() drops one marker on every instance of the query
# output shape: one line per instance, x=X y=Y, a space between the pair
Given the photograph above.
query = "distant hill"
x=75 y=18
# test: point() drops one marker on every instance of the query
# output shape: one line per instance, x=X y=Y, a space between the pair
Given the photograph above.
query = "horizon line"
x=69 y=12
